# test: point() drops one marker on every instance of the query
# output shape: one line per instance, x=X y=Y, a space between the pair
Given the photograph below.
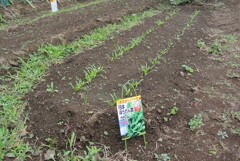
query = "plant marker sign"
x=131 y=118
x=54 y=5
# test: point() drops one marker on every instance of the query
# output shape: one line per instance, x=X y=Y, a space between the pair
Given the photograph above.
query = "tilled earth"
x=211 y=90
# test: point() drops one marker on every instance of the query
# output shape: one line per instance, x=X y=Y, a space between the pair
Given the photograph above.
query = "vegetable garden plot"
x=190 y=107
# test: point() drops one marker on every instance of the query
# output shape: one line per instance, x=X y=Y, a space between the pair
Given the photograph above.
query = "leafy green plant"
x=230 y=38
x=188 y=69
x=195 y=122
x=173 y=111
x=145 y=69
x=55 y=53
x=160 y=23
x=113 y=102
x=91 y=72
x=236 y=115
x=130 y=88
x=236 y=131
x=216 y=48
x=200 y=44
x=90 y=154
x=72 y=153
x=79 y=85
x=162 y=157
x=165 y=119
x=51 y=88
x=2 y=20
x=116 y=54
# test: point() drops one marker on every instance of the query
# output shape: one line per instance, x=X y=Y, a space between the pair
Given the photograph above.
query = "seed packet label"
x=130 y=117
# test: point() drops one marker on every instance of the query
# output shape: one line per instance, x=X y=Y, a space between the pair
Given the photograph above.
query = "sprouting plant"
x=145 y=69
x=165 y=119
x=51 y=141
x=186 y=68
x=154 y=61
x=120 y=51
x=222 y=134
x=91 y=72
x=236 y=115
x=200 y=44
x=173 y=111
x=160 y=23
x=230 y=38
x=51 y=88
x=55 y=53
x=236 y=131
x=216 y=48
x=162 y=157
x=90 y=154
x=113 y=102
x=195 y=122
x=79 y=85
x=130 y=87
x=116 y=54
x=2 y=20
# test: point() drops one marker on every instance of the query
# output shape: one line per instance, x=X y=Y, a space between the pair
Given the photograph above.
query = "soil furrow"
x=22 y=40
x=60 y=107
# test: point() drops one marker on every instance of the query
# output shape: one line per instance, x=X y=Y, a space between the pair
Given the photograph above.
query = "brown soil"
x=209 y=90
x=20 y=40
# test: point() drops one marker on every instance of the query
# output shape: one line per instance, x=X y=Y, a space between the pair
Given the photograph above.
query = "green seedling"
x=145 y=69
x=2 y=20
x=195 y=122
x=230 y=38
x=212 y=152
x=130 y=88
x=79 y=85
x=55 y=53
x=116 y=54
x=154 y=61
x=236 y=115
x=91 y=153
x=51 y=88
x=165 y=119
x=216 y=48
x=160 y=23
x=236 y=131
x=70 y=154
x=91 y=72
x=231 y=74
x=113 y=102
x=120 y=51
x=162 y=157
x=173 y=111
x=187 y=69
x=51 y=141
x=200 y=44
